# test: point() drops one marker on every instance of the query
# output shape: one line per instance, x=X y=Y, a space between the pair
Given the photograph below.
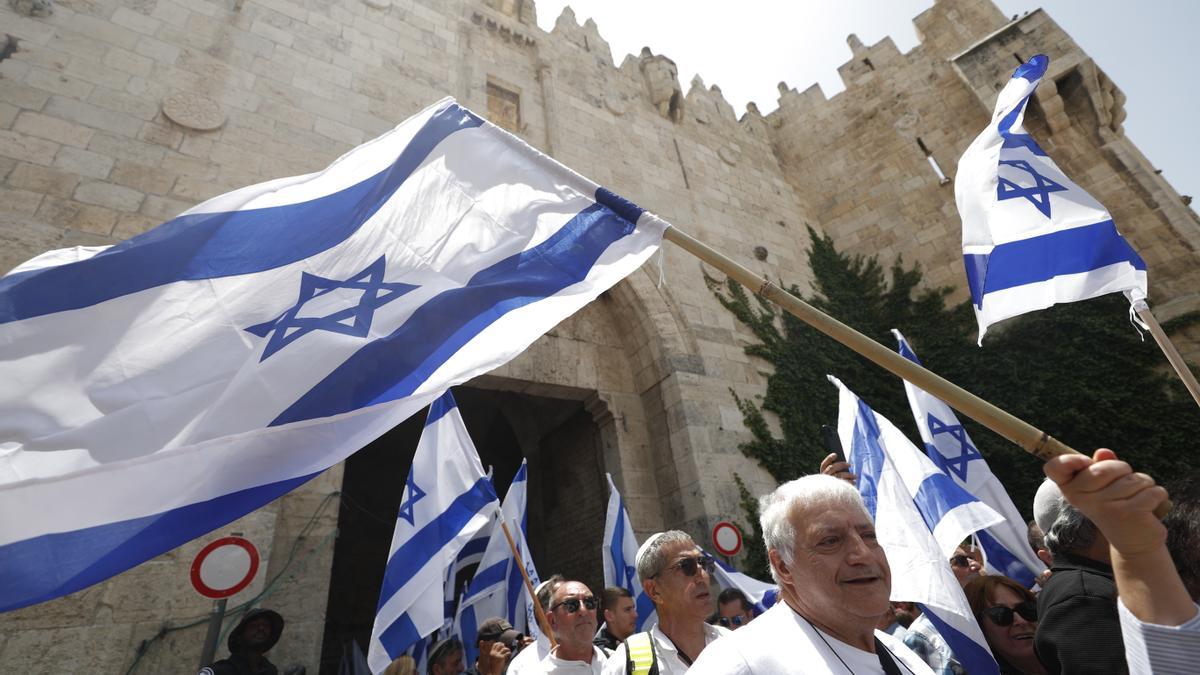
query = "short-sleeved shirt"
x=552 y=665
x=665 y=652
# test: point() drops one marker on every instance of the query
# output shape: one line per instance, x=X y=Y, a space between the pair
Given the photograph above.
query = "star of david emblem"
x=630 y=573
x=966 y=452
x=1037 y=194
x=354 y=321
x=414 y=495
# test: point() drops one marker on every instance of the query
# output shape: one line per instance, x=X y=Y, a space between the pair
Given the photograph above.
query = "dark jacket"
x=605 y=640
x=1079 y=630
x=237 y=664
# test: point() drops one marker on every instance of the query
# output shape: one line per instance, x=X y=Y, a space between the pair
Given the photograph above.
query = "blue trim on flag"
x=394 y=366
x=399 y=636
x=616 y=551
x=53 y=565
x=211 y=245
x=907 y=352
x=1033 y=69
x=977 y=267
x=1002 y=559
x=938 y=495
x=867 y=456
x=1074 y=251
x=487 y=578
x=469 y=634
x=620 y=206
x=438 y=409
x=414 y=553
x=1026 y=141
x=975 y=658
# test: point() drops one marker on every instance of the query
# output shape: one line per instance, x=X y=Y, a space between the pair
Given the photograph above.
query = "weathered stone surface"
x=194 y=111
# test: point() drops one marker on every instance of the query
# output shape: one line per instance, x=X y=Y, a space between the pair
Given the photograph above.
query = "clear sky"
x=1150 y=49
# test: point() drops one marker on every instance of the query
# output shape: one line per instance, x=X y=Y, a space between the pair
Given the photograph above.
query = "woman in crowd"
x=1007 y=613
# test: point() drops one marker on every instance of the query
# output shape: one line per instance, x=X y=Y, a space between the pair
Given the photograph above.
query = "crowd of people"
x=1112 y=601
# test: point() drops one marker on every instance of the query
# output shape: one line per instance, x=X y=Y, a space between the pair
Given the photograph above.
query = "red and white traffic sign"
x=224 y=567
x=727 y=538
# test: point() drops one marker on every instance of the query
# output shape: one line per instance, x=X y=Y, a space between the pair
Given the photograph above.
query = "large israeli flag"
x=1031 y=237
x=158 y=389
x=447 y=499
x=619 y=554
x=1005 y=544
x=920 y=518
x=498 y=588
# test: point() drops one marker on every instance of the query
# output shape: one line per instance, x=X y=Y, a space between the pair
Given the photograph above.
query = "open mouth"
x=861 y=581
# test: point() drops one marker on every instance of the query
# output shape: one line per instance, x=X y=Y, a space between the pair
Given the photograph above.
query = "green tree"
x=1079 y=371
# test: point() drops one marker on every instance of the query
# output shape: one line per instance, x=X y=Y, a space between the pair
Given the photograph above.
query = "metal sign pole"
x=213 y=633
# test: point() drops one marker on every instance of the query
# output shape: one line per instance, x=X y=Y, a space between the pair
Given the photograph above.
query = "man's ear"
x=779 y=566
x=651 y=588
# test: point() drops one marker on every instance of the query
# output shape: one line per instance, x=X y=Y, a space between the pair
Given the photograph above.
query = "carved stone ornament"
x=193 y=111
x=729 y=155
x=615 y=104
x=378 y=4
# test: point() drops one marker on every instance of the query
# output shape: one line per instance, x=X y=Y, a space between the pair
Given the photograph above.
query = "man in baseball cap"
x=495 y=640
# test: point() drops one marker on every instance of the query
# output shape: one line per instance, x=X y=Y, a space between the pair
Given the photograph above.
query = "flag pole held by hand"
x=1033 y=440
x=537 y=606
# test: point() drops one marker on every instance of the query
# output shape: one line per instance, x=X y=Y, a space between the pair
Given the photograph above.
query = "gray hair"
x=545 y=590
x=775 y=510
x=651 y=560
x=1071 y=531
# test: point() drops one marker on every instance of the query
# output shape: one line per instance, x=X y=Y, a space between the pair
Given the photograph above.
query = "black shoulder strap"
x=886 y=661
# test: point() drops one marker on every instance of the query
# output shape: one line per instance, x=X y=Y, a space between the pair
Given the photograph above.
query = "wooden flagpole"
x=1033 y=440
x=1168 y=349
x=537 y=606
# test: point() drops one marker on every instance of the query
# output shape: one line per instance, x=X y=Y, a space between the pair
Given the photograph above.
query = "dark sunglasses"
x=572 y=604
x=1003 y=616
x=735 y=621
x=689 y=565
x=961 y=561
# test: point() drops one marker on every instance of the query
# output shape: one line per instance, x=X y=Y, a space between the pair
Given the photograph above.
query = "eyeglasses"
x=961 y=560
x=572 y=604
x=727 y=622
x=1003 y=616
x=689 y=565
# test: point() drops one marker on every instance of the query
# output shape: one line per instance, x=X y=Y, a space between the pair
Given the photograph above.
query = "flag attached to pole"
x=498 y=590
x=1031 y=237
x=619 y=554
x=160 y=388
x=920 y=518
x=447 y=499
x=1005 y=544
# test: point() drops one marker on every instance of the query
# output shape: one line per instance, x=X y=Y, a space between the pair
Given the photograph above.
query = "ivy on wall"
x=1079 y=371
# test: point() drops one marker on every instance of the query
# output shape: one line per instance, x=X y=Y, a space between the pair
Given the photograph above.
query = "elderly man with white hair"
x=834 y=583
x=677 y=576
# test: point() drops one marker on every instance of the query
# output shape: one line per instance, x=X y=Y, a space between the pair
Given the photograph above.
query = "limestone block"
x=92 y=116
x=83 y=162
x=42 y=180
x=26 y=148
x=58 y=83
x=33 y=7
x=53 y=128
x=141 y=177
x=87 y=218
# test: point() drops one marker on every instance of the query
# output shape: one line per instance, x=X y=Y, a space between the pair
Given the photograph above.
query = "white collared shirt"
x=665 y=652
x=527 y=661
x=1152 y=648
x=556 y=666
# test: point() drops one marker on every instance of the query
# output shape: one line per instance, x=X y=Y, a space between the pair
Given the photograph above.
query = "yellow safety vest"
x=640 y=658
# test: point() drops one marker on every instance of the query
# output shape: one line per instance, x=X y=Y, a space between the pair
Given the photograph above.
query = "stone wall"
x=116 y=116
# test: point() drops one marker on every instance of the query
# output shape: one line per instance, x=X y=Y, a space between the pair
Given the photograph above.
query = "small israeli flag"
x=619 y=554
x=447 y=499
x=920 y=518
x=1005 y=544
x=1031 y=237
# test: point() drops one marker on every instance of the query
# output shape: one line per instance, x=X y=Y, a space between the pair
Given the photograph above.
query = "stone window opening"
x=504 y=105
x=937 y=169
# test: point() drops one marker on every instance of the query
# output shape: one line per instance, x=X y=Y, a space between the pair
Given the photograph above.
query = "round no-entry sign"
x=224 y=567
x=727 y=538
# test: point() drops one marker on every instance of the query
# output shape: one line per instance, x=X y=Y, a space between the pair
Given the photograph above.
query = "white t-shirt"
x=556 y=666
x=669 y=662
x=781 y=641
x=528 y=660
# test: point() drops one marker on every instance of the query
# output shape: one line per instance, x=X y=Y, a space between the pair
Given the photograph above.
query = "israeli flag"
x=156 y=390
x=447 y=500
x=498 y=588
x=1005 y=544
x=1031 y=237
x=761 y=594
x=920 y=518
x=619 y=555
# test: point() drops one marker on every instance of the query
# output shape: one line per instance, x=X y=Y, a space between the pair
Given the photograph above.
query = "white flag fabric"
x=920 y=518
x=761 y=594
x=1031 y=237
x=158 y=389
x=447 y=499
x=619 y=555
x=1005 y=544
x=498 y=589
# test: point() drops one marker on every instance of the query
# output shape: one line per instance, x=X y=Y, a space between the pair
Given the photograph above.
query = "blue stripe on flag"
x=414 y=553
x=616 y=551
x=1033 y=69
x=399 y=636
x=438 y=409
x=939 y=495
x=209 y=245
x=977 y=267
x=1028 y=261
x=974 y=657
x=394 y=366
x=53 y=565
x=485 y=579
x=867 y=456
x=1026 y=141
x=1002 y=559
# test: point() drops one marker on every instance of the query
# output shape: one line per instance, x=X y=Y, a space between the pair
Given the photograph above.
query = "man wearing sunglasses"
x=677 y=576
x=572 y=618
x=834 y=583
x=733 y=609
